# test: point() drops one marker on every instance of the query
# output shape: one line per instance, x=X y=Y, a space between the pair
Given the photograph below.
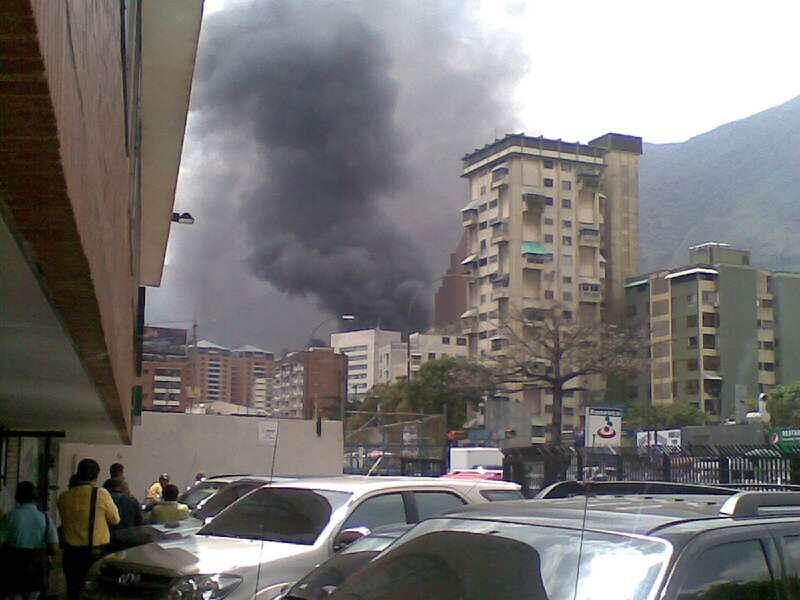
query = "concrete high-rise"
x=310 y=383
x=721 y=331
x=251 y=377
x=548 y=224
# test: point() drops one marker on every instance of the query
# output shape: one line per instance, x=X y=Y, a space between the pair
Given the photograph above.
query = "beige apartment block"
x=548 y=224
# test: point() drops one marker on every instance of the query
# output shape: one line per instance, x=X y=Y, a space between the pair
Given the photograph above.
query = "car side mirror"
x=348 y=536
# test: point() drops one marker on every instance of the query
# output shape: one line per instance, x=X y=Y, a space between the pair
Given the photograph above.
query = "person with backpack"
x=87 y=513
x=29 y=539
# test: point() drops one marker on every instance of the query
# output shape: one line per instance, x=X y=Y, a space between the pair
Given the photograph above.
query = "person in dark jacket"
x=130 y=512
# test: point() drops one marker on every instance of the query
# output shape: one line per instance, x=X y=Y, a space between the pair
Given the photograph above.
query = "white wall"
x=183 y=444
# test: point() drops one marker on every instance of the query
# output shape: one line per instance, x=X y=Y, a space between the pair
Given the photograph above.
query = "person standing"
x=29 y=539
x=157 y=489
x=169 y=510
x=86 y=514
x=116 y=473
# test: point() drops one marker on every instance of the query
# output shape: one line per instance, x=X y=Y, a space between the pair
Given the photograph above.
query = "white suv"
x=272 y=537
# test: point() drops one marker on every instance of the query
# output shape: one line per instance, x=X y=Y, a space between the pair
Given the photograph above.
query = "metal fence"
x=394 y=443
x=718 y=465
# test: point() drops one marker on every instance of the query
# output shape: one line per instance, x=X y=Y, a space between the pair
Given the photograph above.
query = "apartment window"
x=547 y=163
x=482 y=335
x=766 y=345
x=767 y=366
x=660 y=349
x=569 y=411
x=347 y=349
x=566 y=167
x=482 y=225
x=692 y=387
x=710 y=319
x=711 y=363
x=766 y=303
x=548 y=201
x=482 y=262
x=548 y=221
x=567 y=315
x=566 y=240
x=492 y=314
x=762 y=324
x=567 y=296
x=709 y=298
x=566 y=224
x=691 y=299
x=431 y=355
x=492 y=203
x=566 y=185
x=445 y=341
x=691 y=321
x=692 y=364
x=692 y=342
x=482 y=207
x=548 y=294
x=482 y=316
x=568 y=280
x=566 y=203
x=461 y=341
x=483 y=244
x=483 y=298
x=548 y=182
x=548 y=238
x=493 y=259
x=709 y=341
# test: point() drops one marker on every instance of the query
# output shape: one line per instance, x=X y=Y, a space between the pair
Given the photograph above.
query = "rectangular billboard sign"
x=664 y=437
x=603 y=427
x=163 y=343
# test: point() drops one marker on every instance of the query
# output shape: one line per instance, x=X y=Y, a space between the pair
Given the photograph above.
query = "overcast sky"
x=663 y=70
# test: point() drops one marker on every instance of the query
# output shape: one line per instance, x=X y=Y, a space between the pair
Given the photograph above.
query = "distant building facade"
x=210 y=366
x=361 y=348
x=309 y=383
x=721 y=331
x=393 y=359
x=549 y=225
x=450 y=300
x=251 y=377
x=164 y=385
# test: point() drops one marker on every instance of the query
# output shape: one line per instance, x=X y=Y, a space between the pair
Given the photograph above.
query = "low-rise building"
x=395 y=361
x=310 y=383
x=721 y=331
x=361 y=348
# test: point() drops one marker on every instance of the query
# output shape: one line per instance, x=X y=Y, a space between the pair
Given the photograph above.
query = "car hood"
x=203 y=554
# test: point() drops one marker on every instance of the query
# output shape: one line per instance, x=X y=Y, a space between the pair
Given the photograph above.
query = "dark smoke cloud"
x=322 y=162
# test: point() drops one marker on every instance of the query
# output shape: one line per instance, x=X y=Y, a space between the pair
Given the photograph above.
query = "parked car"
x=263 y=543
x=323 y=580
x=635 y=546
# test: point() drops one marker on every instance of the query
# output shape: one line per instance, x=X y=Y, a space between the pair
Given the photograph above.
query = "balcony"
x=530 y=303
x=499 y=176
x=535 y=255
x=589 y=235
x=532 y=200
x=500 y=288
x=589 y=179
x=500 y=232
x=590 y=292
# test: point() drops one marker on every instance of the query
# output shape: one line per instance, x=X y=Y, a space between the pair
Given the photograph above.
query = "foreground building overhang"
x=170 y=32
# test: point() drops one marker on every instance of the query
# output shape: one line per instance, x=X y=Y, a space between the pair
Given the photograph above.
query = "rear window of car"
x=290 y=515
x=200 y=492
x=465 y=559
x=500 y=495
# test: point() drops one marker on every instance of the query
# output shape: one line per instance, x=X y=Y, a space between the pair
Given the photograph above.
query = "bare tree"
x=549 y=351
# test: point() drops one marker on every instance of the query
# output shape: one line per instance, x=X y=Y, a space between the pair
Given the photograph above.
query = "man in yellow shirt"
x=84 y=508
x=169 y=510
x=157 y=489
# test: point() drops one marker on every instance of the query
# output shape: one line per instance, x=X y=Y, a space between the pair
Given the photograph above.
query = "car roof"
x=362 y=484
x=626 y=514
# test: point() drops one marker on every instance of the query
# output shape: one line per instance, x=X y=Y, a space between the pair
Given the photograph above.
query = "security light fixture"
x=183 y=218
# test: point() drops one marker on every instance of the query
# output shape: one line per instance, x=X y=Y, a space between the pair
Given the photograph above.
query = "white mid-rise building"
x=394 y=358
x=361 y=348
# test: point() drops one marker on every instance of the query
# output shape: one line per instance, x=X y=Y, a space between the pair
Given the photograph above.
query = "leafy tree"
x=783 y=405
x=663 y=416
x=549 y=351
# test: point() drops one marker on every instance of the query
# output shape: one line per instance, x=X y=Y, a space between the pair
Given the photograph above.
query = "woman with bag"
x=29 y=540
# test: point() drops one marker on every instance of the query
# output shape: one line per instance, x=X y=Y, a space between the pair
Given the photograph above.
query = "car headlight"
x=204 y=587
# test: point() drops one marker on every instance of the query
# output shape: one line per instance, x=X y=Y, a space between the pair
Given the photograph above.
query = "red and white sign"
x=603 y=426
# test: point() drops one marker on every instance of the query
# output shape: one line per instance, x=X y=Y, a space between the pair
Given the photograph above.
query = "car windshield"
x=222 y=499
x=455 y=559
x=198 y=493
x=290 y=515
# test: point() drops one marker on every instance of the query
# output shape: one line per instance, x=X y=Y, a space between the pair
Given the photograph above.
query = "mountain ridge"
x=738 y=183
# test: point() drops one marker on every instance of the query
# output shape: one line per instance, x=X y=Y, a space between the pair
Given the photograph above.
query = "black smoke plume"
x=322 y=156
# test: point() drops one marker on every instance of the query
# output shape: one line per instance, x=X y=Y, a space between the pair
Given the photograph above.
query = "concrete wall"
x=787 y=326
x=182 y=445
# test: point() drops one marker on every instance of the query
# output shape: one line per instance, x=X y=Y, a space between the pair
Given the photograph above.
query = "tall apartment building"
x=308 y=383
x=164 y=385
x=361 y=349
x=251 y=377
x=450 y=299
x=548 y=223
x=394 y=358
x=210 y=372
x=721 y=331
